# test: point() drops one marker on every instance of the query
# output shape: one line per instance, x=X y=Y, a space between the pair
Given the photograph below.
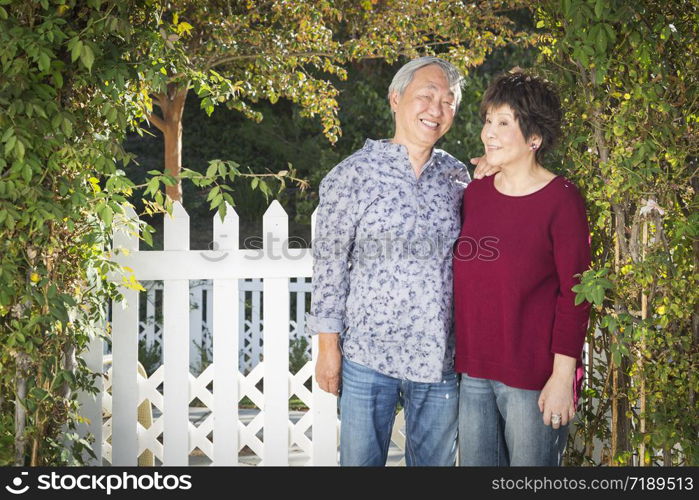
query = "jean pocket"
x=450 y=378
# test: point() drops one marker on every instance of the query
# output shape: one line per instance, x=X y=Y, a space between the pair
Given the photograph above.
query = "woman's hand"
x=557 y=395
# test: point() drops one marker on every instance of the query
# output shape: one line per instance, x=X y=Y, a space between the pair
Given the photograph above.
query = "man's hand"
x=329 y=364
x=483 y=168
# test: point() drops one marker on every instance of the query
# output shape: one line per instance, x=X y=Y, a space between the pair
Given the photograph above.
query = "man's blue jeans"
x=501 y=425
x=368 y=403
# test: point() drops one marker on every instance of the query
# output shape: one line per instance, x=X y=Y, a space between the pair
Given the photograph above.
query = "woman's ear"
x=534 y=142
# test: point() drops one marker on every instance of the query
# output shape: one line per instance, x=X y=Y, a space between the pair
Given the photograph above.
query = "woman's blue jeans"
x=368 y=403
x=501 y=425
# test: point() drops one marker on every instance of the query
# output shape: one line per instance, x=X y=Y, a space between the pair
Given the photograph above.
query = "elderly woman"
x=519 y=334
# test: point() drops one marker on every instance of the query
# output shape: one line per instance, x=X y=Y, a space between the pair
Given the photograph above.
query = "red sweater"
x=514 y=267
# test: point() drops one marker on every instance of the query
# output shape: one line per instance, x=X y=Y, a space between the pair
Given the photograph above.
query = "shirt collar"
x=398 y=150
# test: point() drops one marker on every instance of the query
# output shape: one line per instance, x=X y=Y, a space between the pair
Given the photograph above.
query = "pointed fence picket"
x=225 y=349
x=176 y=346
x=124 y=431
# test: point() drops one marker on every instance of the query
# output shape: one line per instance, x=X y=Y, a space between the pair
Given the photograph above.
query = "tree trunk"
x=620 y=380
x=170 y=124
x=69 y=364
x=642 y=352
x=20 y=419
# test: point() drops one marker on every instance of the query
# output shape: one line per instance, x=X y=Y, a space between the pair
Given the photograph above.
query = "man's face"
x=426 y=110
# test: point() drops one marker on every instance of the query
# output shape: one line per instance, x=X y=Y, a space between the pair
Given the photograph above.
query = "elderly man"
x=382 y=277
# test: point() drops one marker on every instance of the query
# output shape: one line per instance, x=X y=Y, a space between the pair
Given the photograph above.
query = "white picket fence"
x=221 y=433
x=250 y=324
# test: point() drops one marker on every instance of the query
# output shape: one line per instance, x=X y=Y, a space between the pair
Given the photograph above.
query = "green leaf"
x=255 y=181
x=147 y=237
x=152 y=185
x=76 y=50
x=567 y=7
x=601 y=40
x=611 y=33
x=213 y=193
x=600 y=73
x=599 y=8
x=87 y=57
x=168 y=179
x=10 y=144
x=67 y=126
x=265 y=188
x=8 y=133
x=39 y=393
x=3 y=13
x=597 y=295
x=56 y=121
x=222 y=209
x=211 y=170
x=44 y=62
x=229 y=199
x=106 y=214
x=40 y=111
x=19 y=150
x=27 y=173
x=112 y=115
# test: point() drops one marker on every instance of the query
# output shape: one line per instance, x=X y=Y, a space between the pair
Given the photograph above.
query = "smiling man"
x=382 y=277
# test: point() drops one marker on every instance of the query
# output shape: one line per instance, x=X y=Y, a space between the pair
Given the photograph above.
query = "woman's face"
x=502 y=137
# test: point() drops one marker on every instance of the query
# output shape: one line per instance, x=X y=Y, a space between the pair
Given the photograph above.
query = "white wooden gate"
x=171 y=389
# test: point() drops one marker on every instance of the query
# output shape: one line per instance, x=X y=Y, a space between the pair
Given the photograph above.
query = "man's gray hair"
x=405 y=75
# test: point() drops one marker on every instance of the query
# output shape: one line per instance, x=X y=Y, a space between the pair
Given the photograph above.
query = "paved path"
x=297 y=457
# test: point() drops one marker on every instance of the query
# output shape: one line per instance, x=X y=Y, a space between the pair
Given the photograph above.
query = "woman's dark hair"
x=535 y=104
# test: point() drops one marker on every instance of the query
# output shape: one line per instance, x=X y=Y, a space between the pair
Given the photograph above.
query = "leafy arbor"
x=628 y=72
x=239 y=53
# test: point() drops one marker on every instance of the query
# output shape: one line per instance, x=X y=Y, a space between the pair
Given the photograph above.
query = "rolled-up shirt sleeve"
x=571 y=252
x=335 y=229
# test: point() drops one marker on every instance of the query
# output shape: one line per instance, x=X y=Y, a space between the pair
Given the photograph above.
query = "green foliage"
x=149 y=356
x=77 y=75
x=297 y=354
x=628 y=73
x=294 y=50
x=69 y=89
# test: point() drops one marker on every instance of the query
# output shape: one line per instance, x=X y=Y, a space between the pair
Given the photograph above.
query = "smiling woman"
x=519 y=332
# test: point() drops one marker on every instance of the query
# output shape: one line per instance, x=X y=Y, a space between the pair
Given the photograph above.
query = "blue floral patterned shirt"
x=382 y=249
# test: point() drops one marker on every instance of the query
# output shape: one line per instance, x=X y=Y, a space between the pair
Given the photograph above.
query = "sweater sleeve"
x=332 y=246
x=571 y=252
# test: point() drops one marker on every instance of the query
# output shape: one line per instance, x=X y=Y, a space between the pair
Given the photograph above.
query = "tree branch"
x=243 y=57
x=155 y=99
x=157 y=121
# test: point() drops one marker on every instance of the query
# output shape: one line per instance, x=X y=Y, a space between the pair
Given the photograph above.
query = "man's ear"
x=394 y=100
